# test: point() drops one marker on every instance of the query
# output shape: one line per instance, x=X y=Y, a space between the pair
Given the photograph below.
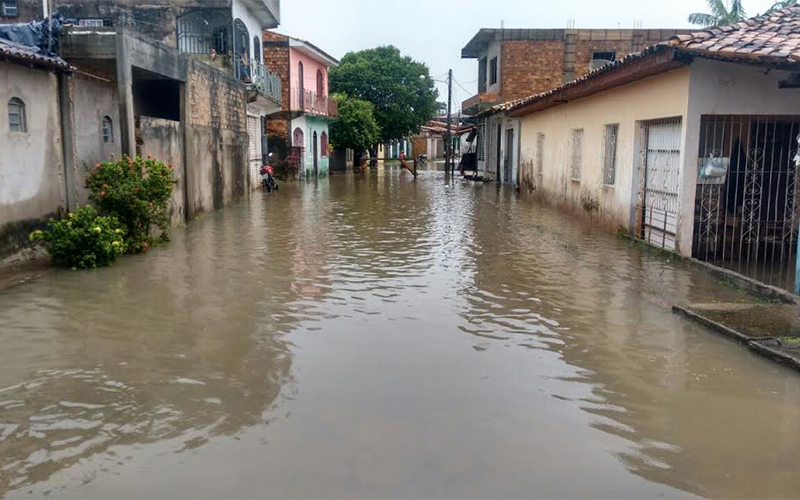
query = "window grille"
x=10 y=8
x=576 y=158
x=610 y=134
x=16 y=115
x=108 y=130
x=539 y=154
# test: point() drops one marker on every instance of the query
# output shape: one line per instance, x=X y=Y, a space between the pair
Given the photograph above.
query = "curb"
x=757 y=346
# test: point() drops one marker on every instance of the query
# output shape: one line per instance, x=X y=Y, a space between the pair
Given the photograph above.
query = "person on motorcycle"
x=268 y=178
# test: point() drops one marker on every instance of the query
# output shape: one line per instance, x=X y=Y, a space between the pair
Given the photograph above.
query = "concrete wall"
x=216 y=132
x=32 y=185
x=662 y=96
x=163 y=139
x=725 y=88
x=92 y=101
x=492 y=49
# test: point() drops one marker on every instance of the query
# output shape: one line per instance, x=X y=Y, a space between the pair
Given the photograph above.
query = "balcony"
x=311 y=103
x=478 y=103
x=264 y=81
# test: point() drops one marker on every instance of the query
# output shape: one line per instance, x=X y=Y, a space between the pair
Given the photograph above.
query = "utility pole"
x=448 y=144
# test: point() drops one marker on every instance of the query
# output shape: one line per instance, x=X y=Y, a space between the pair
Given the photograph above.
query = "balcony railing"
x=265 y=81
x=312 y=103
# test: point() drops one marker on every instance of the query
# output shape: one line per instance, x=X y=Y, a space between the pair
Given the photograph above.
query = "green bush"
x=137 y=192
x=83 y=239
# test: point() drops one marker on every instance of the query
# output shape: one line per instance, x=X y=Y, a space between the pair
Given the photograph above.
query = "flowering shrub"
x=137 y=191
x=83 y=239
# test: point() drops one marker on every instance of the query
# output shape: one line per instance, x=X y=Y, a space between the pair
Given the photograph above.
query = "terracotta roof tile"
x=22 y=54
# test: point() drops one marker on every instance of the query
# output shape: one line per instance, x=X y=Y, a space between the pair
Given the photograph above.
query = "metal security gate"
x=254 y=150
x=746 y=209
x=660 y=176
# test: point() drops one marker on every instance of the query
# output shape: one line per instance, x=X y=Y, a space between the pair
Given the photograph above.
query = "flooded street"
x=381 y=337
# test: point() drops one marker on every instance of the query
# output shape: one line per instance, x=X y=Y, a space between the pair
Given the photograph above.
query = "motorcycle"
x=268 y=182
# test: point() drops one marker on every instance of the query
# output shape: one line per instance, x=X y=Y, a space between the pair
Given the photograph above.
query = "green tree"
x=722 y=13
x=355 y=128
x=781 y=4
x=401 y=89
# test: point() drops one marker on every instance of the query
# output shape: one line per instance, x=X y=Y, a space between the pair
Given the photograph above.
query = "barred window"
x=576 y=158
x=16 y=115
x=9 y=8
x=610 y=133
x=539 y=154
x=108 y=130
x=480 y=139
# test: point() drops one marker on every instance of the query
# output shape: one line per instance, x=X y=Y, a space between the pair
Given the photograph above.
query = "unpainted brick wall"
x=276 y=59
x=217 y=100
x=530 y=67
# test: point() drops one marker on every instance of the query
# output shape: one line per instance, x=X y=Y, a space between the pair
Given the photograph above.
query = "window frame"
x=7 y=5
x=22 y=123
x=576 y=155
x=493 y=71
x=109 y=137
x=610 y=132
x=323 y=144
x=540 y=138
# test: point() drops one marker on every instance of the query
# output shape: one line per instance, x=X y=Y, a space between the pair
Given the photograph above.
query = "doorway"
x=507 y=175
x=498 y=156
x=660 y=159
x=316 y=159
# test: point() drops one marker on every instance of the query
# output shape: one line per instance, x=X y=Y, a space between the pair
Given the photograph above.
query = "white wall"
x=92 y=101
x=239 y=10
x=661 y=96
x=488 y=166
x=31 y=163
x=725 y=88
x=492 y=50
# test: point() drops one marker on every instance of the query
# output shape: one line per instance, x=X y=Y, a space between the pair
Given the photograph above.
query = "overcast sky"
x=434 y=31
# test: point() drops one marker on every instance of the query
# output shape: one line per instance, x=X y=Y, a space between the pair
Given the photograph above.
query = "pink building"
x=307 y=106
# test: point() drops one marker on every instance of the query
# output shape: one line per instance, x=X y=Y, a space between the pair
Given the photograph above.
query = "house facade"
x=175 y=97
x=689 y=145
x=307 y=108
x=517 y=63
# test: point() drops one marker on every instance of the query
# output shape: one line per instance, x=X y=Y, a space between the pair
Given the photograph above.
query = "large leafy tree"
x=355 y=128
x=400 y=88
x=721 y=13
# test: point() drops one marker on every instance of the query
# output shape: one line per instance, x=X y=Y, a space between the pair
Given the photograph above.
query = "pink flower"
x=102 y=193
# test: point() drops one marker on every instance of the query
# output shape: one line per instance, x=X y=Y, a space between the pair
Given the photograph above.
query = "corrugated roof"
x=22 y=54
x=768 y=39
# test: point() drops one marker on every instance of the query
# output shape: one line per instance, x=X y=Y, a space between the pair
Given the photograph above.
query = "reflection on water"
x=380 y=337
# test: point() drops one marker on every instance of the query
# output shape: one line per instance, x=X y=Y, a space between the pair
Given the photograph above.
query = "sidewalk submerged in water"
x=769 y=329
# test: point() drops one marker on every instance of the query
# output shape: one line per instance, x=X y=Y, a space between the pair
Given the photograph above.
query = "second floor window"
x=320 y=83
x=256 y=49
x=9 y=8
x=493 y=71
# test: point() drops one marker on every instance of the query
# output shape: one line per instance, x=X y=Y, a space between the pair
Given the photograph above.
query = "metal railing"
x=265 y=81
x=313 y=103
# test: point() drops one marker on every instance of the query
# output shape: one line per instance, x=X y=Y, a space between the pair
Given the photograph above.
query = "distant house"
x=307 y=108
x=689 y=145
x=516 y=63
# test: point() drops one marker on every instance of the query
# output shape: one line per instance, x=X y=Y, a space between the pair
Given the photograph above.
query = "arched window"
x=241 y=50
x=108 y=130
x=16 y=115
x=256 y=49
x=323 y=143
x=320 y=83
x=297 y=138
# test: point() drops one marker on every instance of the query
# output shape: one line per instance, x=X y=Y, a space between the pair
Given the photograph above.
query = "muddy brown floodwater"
x=380 y=337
